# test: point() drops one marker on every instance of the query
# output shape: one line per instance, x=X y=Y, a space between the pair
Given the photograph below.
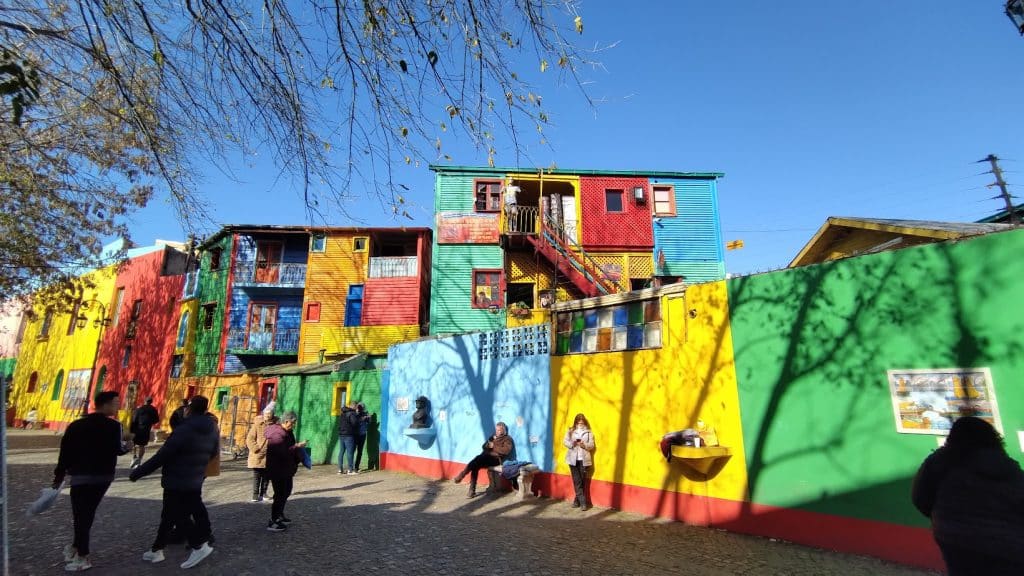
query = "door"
x=354 y=306
x=569 y=218
x=268 y=262
x=268 y=390
x=262 y=323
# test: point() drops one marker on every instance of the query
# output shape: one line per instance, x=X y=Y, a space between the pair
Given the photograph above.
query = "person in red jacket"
x=88 y=452
x=283 y=457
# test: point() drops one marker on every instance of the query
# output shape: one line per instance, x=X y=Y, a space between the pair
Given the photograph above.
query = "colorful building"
x=136 y=355
x=508 y=244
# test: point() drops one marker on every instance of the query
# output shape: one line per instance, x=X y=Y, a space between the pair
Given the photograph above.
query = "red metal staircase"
x=576 y=265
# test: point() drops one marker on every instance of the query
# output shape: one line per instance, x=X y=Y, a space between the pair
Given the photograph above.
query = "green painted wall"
x=812 y=348
x=451 y=274
x=311 y=397
x=212 y=288
x=7 y=367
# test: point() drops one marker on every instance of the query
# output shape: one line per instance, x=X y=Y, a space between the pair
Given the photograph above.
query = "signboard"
x=76 y=388
x=928 y=401
x=467 y=228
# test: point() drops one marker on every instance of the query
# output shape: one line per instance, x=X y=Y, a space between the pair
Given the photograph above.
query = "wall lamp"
x=638 y=191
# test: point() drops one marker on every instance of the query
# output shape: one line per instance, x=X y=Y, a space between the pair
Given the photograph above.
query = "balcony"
x=284 y=275
x=243 y=341
x=521 y=220
x=393 y=267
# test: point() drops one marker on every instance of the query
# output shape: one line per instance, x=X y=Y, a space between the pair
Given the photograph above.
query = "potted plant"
x=520 y=310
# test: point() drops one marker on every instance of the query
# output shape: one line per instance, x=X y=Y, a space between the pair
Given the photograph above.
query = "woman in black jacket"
x=974 y=494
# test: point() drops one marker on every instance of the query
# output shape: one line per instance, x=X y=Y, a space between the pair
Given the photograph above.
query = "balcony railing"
x=521 y=220
x=393 y=267
x=250 y=341
x=262 y=274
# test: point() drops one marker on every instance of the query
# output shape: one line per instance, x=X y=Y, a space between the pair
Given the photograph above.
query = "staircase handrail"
x=556 y=234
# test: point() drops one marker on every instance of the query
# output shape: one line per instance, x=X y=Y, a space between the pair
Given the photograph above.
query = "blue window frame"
x=354 y=306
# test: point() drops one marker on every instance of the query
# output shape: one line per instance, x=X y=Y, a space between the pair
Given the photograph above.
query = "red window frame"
x=622 y=200
x=493 y=301
x=671 y=199
x=313 y=312
x=492 y=200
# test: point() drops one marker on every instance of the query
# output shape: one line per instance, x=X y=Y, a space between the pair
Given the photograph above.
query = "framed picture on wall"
x=928 y=401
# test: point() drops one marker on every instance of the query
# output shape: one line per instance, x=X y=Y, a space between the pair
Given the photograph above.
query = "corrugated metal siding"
x=328 y=276
x=212 y=288
x=692 y=240
x=369 y=339
x=628 y=230
x=451 y=309
x=391 y=301
x=455 y=192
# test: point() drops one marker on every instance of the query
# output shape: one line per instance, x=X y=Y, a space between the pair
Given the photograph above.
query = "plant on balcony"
x=520 y=310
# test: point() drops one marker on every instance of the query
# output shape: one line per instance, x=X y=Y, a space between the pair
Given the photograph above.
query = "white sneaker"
x=79 y=564
x=197 y=555
x=154 y=556
x=70 y=552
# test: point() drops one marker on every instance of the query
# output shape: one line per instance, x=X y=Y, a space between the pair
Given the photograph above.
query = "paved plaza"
x=389 y=523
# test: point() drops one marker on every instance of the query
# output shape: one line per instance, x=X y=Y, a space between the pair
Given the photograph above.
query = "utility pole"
x=1004 y=193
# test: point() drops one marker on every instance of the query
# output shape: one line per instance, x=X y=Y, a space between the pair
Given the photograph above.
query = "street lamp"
x=100 y=322
x=1015 y=11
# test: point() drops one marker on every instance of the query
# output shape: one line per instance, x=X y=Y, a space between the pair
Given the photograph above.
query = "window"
x=33 y=380
x=340 y=397
x=220 y=399
x=127 y=357
x=359 y=244
x=521 y=293
x=44 y=330
x=487 y=288
x=318 y=243
x=268 y=392
x=487 y=195
x=215 y=258
x=262 y=326
x=209 y=311
x=117 y=307
x=73 y=321
x=664 y=200
x=354 y=306
x=176 y=365
x=613 y=201
x=182 y=330
x=136 y=309
x=631 y=326
x=313 y=312
x=57 y=382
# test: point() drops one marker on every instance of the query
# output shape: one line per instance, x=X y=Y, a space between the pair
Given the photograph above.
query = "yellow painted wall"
x=633 y=398
x=328 y=276
x=344 y=340
x=188 y=350
x=47 y=356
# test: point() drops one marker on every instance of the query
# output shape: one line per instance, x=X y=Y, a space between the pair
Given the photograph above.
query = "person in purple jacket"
x=283 y=457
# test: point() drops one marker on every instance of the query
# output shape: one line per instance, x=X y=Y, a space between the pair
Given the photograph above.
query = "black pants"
x=480 y=462
x=85 y=499
x=964 y=561
x=185 y=511
x=282 y=490
x=579 y=481
x=259 y=483
x=360 y=440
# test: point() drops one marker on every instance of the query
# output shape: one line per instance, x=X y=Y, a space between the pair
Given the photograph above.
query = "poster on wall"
x=928 y=401
x=76 y=388
x=467 y=228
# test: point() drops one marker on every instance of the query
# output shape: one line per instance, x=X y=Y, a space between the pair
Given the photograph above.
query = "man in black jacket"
x=141 y=427
x=184 y=458
x=348 y=428
x=88 y=452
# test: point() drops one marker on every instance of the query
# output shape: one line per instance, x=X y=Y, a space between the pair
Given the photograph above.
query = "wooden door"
x=268 y=262
x=262 y=326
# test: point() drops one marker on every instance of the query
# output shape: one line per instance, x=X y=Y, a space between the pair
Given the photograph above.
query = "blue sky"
x=811 y=109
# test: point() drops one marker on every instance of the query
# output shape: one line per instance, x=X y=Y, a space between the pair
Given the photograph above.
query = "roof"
x=354 y=362
x=1003 y=214
x=836 y=228
x=297 y=229
x=574 y=172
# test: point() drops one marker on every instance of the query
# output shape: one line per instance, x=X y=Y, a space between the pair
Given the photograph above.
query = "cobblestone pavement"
x=389 y=523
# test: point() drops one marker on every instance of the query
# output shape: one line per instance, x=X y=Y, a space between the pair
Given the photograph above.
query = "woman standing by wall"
x=256 y=442
x=579 y=439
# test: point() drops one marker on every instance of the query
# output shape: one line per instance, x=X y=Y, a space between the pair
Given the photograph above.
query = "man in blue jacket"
x=184 y=458
x=88 y=452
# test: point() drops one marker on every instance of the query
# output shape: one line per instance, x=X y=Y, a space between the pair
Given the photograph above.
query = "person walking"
x=256 y=442
x=579 y=440
x=283 y=459
x=361 y=430
x=184 y=459
x=141 y=428
x=348 y=427
x=974 y=494
x=178 y=416
x=88 y=452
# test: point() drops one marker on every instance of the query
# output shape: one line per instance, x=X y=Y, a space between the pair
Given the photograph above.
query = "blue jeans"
x=346 y=448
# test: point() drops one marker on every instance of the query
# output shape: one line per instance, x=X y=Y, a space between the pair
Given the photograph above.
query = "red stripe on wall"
x=391 y=301
x=893 y=542
x=227 y=305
